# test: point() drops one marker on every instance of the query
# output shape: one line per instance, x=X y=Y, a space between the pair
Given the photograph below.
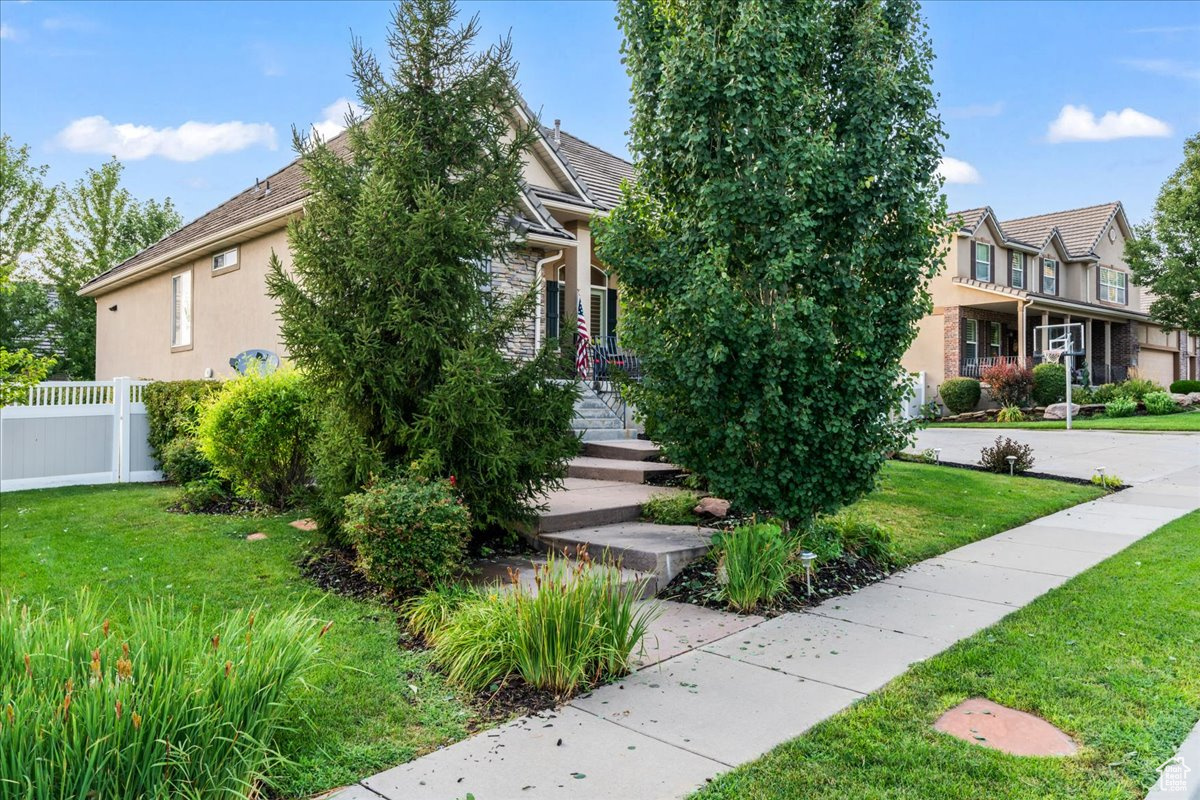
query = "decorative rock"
x=1194 y=397
x=982 y=722
x=1059 y=411
x=256 y=537
x=1182 y=400
x=304 y=525
x=712 y=507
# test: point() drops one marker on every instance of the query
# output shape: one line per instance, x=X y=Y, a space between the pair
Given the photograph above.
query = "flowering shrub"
x=148 y=709
x=1010 y=384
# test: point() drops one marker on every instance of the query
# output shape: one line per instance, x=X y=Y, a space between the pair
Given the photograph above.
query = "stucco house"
x=184 y=306
x=1001 y=279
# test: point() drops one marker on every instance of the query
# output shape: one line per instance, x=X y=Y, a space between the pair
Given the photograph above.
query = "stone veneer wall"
x=512 y=278
x=1125 y=345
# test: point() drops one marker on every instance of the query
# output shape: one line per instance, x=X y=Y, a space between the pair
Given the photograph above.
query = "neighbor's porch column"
x=578 y=274
x=1107 y=351
x=1087 y=350
x=1022 y=313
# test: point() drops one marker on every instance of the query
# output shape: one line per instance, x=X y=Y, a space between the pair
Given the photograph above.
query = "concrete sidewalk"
x=666 y=729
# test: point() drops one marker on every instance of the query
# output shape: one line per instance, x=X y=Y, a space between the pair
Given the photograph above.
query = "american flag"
x=582 y=340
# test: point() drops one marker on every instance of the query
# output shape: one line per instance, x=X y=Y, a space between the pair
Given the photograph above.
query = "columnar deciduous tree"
x=1165 y=253
x=776 y=249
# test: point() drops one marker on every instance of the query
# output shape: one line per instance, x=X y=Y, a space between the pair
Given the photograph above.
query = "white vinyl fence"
x=70 y=433
x=910 y=408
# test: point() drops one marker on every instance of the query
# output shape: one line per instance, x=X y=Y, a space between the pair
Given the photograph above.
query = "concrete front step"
x=631 y=450
x=606 y=434
x=613 y=469
x=502 y=569
x=609 y=422
x=585 y=503
x=662 y=550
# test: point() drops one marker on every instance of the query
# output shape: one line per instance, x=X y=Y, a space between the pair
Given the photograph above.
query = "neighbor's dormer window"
x=1018 y=270
x=1049 y=276
x=983 y=262
x=1114 y=286
x=225 y=260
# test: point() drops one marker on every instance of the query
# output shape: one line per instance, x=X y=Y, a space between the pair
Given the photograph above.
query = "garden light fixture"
x=807 y=558
x=1012 y=460
x=937 y=455
x=1103 y=481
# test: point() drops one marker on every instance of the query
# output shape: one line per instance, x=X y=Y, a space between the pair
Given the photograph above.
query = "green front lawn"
x=1112 y=657
x=1183 y=421
x=372 y=704
x=933 y=509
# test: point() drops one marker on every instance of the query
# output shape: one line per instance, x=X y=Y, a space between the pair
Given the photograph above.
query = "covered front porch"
x=1002 y=331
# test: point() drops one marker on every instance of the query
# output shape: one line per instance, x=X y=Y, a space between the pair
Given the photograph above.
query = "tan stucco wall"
x=925 y=354
x=231 y=312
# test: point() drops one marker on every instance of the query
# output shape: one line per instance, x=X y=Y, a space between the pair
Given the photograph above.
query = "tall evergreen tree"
x=98 y=224
x=776 y=249
x=1165 y=253
x=385 y=305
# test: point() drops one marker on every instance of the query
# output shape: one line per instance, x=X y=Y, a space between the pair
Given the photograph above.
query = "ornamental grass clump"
x=756 y=564
x=576 y=626
x=148 y=708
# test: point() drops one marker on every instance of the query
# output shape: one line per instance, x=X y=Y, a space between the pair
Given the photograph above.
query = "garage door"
x=1157 y=365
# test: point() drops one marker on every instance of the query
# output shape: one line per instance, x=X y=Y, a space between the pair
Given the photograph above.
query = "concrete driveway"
x=1135 y=457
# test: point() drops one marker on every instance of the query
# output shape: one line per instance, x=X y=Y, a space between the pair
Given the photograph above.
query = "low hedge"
x=1185 y=387
x=960 y=395
x=173 y=410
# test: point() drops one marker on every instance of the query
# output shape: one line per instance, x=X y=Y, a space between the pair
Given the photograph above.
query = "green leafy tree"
x=776 y=250
x=98 y=224
x=386 y=307
x=1164 y=255
x=25 y=205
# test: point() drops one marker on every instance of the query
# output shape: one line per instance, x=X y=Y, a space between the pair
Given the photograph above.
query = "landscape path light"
x=1012 y=460
x=807 y=558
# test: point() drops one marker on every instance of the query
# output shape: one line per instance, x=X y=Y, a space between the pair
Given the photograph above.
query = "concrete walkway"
x=739 y=686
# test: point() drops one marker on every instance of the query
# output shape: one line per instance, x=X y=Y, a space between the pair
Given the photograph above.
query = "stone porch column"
x=1107 y=351
x=1087 y=349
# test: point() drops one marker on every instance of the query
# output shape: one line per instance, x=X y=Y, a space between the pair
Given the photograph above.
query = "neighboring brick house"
x=184 y=306
x=1001 y=279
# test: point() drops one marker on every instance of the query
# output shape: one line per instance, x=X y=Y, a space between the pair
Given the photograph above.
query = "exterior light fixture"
x=1103 y=480
x=937 y=455
x=807 y=558
x=1012 y=460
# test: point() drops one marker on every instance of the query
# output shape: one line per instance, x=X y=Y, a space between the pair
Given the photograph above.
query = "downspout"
x=539 y=280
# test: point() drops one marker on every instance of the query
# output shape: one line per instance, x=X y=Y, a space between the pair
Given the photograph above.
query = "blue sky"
x=1048 y=105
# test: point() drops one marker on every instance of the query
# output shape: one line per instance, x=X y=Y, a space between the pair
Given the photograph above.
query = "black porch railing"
x=610 y=368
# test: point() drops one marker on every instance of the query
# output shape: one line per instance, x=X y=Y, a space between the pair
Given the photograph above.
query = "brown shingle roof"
x=1080 y=228
x=968 y=220
x=600 y=170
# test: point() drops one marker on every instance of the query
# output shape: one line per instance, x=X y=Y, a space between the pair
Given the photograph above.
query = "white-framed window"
x=983 y=262
x=225 y=260
x=181 y=309
x=994 y=340
x=1049 y=276
x=1018 y=270
x=1114 y=286
x=971 y=339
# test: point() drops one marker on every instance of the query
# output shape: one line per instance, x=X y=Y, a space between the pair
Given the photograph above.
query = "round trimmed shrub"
x=1185 y=387
x=182 y=461
x=256 y=433
x=960 y=394
x=1159 y=403
x=410 y=534
x=1049 y=384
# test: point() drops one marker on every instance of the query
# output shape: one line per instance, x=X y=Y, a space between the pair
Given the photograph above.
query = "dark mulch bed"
x=697 y=584
x=1044 y=476
x=333 y=570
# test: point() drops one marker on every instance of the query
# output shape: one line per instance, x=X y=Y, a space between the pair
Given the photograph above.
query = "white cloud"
x=1165 y=66
x=191 y=141
x=1079 y=124
x=9 y=32
x=954 y=170
x=977 y=110
x=333 y=117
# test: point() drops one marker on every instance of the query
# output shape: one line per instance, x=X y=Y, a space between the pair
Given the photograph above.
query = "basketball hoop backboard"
x=1052 y=342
